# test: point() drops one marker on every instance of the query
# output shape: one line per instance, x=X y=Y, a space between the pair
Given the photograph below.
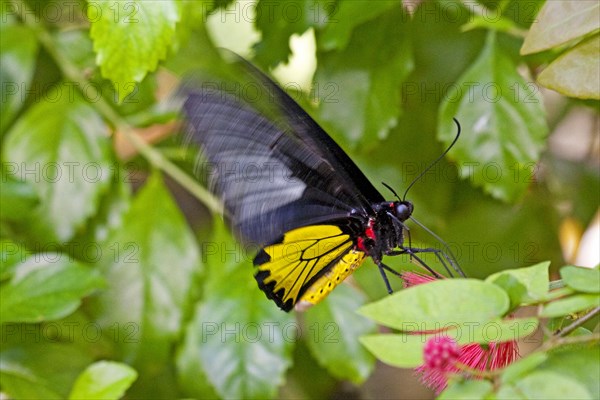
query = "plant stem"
x=577 y=323
x=558 y=284
x=71 y=72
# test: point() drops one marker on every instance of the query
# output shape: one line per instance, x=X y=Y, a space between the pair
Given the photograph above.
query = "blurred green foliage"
x=96 y=268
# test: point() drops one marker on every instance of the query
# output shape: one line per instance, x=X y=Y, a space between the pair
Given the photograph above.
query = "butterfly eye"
x=404 y=210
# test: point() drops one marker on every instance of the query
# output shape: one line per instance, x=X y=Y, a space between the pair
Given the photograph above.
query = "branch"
x=577 y=323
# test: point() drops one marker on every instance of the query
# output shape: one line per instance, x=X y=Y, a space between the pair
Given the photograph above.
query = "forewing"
x=269 y=177
x=297 y=120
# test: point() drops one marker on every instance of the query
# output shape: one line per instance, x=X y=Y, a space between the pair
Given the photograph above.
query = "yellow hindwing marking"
x=302 y=254
x=325 y=284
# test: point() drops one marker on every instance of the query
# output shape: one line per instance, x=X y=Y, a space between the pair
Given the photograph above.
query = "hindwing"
x=306 y=264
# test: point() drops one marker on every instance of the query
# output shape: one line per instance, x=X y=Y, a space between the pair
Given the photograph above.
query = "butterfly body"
x=289 y=189
x=383 y=233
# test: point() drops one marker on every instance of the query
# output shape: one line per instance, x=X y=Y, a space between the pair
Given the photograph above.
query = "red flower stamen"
x=474 y=356
x=414 y=278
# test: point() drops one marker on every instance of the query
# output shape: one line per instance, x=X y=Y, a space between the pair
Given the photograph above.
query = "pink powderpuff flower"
x=440 y=352
x=474 y=356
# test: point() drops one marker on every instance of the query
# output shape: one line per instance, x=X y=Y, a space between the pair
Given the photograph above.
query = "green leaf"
x=440 y=304
x=191 y=18
x=574 y=73
x=191 y=377
x=544 y=385
x=503 y=123
x=150 y=262
x=580 y=331
x=221 y=4
x=40 y=370
x=11 y=255
x=359 y=87
x=103 y=380
x=494 y=331
x=242 y=342
x=403 y=351
x=571 y=304
x=17 y=198
x=76 y=330
x=76 y=45
x=578 y=364
x=130 y=38
x=522 y=367
x=346 y=17
x=314 y=381
x=559 y=22
x=334 y=331
x=501 y=24
x=523 y=285
x=585 y=280
x=111 y=210
x=467 y=390
x=46 y=286
x=62 y=149
x=17 y=61
x=277 y=21
x=239 y=342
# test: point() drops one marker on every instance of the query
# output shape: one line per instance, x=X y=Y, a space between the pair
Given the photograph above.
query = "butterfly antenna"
x=391 y=190
x=436 y=160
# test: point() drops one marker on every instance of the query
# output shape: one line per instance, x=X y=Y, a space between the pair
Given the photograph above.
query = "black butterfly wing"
x=271 y=164
x=298 y=120
x=285 y=186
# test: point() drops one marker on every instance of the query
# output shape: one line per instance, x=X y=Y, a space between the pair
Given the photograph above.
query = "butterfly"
x=287 y=187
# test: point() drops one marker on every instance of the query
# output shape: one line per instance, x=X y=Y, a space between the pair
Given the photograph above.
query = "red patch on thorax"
x=369 y=233
x=360 y=244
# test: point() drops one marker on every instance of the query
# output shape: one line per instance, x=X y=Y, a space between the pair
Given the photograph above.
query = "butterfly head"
x=402 y=209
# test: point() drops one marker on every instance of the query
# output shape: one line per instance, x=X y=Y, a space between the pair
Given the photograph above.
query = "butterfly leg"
x=427 y=267
x=412 y=253
x=400 y=227
x=396 y=273
x=382 y=269
x=439 y=253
